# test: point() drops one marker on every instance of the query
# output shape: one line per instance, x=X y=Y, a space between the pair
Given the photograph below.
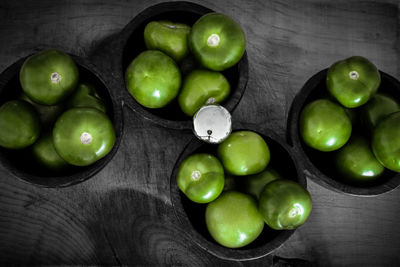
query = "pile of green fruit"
x=358 y=123
x=59 y=119
x=242 y=191
x=213 y=44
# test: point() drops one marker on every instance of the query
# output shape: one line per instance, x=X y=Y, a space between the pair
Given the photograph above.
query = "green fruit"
x=19 y=124
x=153 y=79
x=284 y=204
x=233 y=219
x=82 y=136
x=386 y=142
x=202 y=87
x=217 y=41
x=324 y=125
x=46 y=155
x=353 y=81
x=377 y=108
x=201 y=178
x=356 y=162
x=86 y=96
x=47 y=114
x=168 y=37
x=254 y=184
x=49 y=77
x=244 y=153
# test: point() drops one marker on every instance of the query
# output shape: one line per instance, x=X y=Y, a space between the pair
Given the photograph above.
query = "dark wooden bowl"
x=192 y=215
x=317 y=163
x=131 y=44
x=20 y=163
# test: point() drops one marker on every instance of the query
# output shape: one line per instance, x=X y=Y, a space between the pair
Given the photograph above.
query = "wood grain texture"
x=123 y=215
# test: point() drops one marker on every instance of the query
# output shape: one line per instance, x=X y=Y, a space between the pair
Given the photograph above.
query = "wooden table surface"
x=123 y=215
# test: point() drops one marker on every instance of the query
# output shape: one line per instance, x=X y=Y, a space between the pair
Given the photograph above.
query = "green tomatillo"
x=217 y=41
x=356 y=163
x=168 y=37
x=49 y=77
x=202 y=87
x=233 y=219
x=19 y=124
x=254 y=184
x=46 y=155
x=153 y=79
x=244 y=153
x=353 y=81
x=377 y=108
x=386 y=142
x=324 y=125
x=201 y=178
x=82 y=136
x=284 y=204
x=86 y=96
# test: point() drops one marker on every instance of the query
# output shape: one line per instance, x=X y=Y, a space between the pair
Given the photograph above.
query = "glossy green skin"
x=68 y=129
x=284 y=204
x=19 y=124
x=208 y=185
x=254 y=184
x=230 y=48
x=86 y=96
x=324 y=125
x=168 y=37
x=349 y=92
x=153 y=79
x=244 y=153
x=46 y=155
x=36 y=72
x=47 y=114
x=386 y=142
x=356 y=162
x=377 y=108
x=233 y=219
x=199 y=86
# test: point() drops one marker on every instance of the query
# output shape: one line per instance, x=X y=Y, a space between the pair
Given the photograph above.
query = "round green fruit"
x=153 y=79
x=46 y=155
x=217 y=41
x=284 y=204
x=19 y=124
x=201 y=178
x=82 y=136
x=353 y=81
x=356 y=162
x=86 y=96
x=244 y=153
x=386 y=142
x=202 y=87
x=324 y=125
x=168 y=37
x=49 y=77
x=254 y=184
x=233 y=219
x=377 y=108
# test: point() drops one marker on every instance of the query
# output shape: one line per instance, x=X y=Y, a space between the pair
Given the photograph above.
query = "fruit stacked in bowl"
x=355 y=123
x=242 y=191
x=57 y=121
x=184 y=63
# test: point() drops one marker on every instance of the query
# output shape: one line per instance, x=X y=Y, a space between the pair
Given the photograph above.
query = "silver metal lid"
x=212 y=124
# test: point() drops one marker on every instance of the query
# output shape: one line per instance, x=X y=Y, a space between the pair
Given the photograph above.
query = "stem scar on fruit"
x=55 y=77
x=86 y=138
x=354 y=75
x=196 y=175
x=213 y=40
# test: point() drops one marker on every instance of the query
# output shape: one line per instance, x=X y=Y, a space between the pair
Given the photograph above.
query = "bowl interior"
x=182 y=13
x=21 y=162
x=323 y=160
x=194 y=213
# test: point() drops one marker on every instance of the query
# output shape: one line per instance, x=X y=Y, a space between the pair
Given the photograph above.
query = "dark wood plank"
x=123 y=215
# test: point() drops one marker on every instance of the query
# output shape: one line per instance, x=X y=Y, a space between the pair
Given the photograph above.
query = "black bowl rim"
x=311 y=170
x=157 y=9
x=14 y=69
x=213 y=248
